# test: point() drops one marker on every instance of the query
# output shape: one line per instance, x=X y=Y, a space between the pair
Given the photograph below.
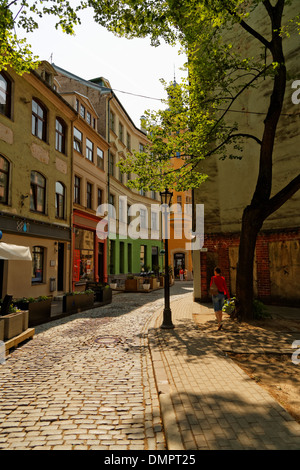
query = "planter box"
x=25 y=320
x=154 y=283
x=2 y=329
x=13 y=325
x=78 y=302
x=39 y=312
x=106 y=295
x=131 y=284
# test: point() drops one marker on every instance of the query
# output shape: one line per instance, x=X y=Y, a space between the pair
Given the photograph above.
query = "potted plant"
x=113 y=284
x=131 y=283
x=154 y=283
x=74 y=302
x=146 y=284
x=106 y=294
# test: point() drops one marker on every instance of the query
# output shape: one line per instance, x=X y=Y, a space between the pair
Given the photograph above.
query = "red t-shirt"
x=221 y=285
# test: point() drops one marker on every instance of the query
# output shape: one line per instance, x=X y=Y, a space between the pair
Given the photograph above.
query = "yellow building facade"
x=35 y=182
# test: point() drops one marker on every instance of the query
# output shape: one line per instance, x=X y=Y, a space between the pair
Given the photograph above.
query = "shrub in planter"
x=78 y=301
x=39 y=308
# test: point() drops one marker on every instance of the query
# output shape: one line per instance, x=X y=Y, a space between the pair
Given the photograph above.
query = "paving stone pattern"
x=84 y=382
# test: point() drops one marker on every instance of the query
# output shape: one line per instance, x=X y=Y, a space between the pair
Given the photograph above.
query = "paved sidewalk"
x=207 y=401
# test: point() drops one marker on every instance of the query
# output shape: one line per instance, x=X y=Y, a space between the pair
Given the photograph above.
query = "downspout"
x=108 y=181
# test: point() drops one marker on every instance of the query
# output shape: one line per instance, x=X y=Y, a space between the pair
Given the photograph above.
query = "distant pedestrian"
x=218 y=297
x=181 y=272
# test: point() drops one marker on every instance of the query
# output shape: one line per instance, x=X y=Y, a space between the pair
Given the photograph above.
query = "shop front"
x=89 y=254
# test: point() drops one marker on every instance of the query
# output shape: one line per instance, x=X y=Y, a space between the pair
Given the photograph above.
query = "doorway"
x=101 y=262
x=60 y=266
x=179 y=263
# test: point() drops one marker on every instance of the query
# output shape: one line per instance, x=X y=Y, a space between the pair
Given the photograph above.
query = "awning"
x=15 y=252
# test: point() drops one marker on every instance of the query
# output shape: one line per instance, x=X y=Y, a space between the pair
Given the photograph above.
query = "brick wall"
x=268 y=290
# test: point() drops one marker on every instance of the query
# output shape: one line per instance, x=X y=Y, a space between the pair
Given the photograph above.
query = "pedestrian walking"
x=219 y=291
x=181 y=274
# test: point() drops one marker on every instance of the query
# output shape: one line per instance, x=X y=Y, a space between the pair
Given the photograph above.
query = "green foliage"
x=195 y=124
x=260 y=311
x=23 y=16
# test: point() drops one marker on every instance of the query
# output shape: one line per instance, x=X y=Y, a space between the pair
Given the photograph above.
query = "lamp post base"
x=167 y=322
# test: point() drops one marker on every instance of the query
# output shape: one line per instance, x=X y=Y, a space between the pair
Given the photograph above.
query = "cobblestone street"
x=86 y=381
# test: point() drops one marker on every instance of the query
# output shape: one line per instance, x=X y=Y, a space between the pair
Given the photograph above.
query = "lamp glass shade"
x=166 y=197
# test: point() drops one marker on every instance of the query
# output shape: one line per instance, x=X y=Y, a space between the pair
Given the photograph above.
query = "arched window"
x=60 y=135
x=37 y=192
x=59 y=200
x=39 y=120
x=5 y=95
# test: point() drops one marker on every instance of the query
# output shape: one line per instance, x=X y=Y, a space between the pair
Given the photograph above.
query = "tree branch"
x=282 y=196
x=249 y=29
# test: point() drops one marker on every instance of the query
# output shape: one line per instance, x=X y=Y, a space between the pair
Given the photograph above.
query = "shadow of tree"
x=229 y=421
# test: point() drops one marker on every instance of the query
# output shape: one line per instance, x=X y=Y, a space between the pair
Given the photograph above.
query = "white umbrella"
x=15 y=252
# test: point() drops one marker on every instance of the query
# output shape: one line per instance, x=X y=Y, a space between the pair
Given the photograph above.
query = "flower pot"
x=13 y=325
x=113 y=285
x=146 y=286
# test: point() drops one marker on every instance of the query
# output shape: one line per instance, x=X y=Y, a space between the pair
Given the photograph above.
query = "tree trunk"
x=251 y=225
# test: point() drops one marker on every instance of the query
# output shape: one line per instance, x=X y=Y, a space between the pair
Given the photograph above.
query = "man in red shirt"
x=219 y=298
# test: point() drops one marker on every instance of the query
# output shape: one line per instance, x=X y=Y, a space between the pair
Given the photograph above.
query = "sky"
x=131 y=66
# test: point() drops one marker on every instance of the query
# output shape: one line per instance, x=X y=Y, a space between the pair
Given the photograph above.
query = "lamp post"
x=166 y=197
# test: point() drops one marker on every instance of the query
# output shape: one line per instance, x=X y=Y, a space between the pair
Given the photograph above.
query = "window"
x=112 y=121
x=82 y=111
x=60 y=135
x=4 y=180
x=121 y=132
x=122 y=208
x=129 y=257
x=179 y=201
x=89 y=195
x=77 y=184
x=154 y=221
x=37 y=192
x=111 y=165
x=89 y=152
x=99 y=197
x=39 y=120
x=111 y=205
x=37 y=264
x=5 y=95
x=77 y=140
x=121 y=257
x=121 y=176
x=100 y=158
x=77 y=105
x=143 y=216
x=94 y=123
x=59 y=200
x=141 y=148
x=128 y=143
x=88 y=117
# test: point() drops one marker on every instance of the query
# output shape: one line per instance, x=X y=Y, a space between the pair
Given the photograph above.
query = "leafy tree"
x=196 y=123
x=24 y=15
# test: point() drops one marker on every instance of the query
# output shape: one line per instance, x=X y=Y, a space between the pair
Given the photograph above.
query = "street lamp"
x=166 y=197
